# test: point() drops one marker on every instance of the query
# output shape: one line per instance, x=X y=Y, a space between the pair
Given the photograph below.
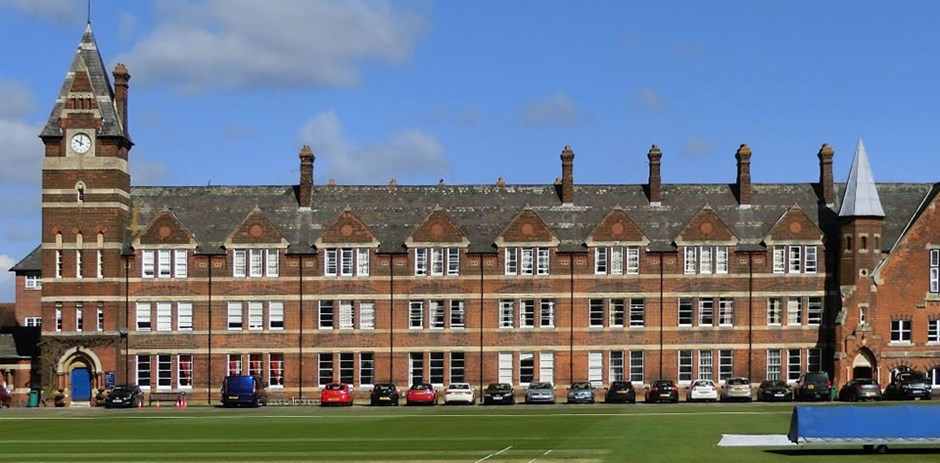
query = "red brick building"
x=176 y=287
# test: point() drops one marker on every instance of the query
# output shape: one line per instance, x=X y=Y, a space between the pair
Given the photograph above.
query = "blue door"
x=81 y=384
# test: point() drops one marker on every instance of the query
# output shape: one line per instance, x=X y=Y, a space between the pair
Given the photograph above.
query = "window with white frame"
x=725 y=364
x=725 y=311
x=636 y=366
x=685 y=365
x=547 y=367
x=58 y=261
x=33 y=281
x=615 y=371
x=505 y=367
x=324 y=368
x=780 y=257
x=436 y=316
x=235 y=316
x=164 y=316
x=458 y=314
x=595 y=373
x=164 y=371
x=814 y=359
x=99 y=264
x=416 y=314
x=366 y=315
x=933 y=330
x=436 y=368
x=601 y=265
x=705 y=364
x=685 y=309
x=506 y=309
x=794 y=364
x=773 y=364
x=143 y=371
x=33 y=321
x=691 y=259
x=795 y=259
x=326 y=315
x=275 y=315
x=901 y=331
x=58 y=318
x=164 y=263
x=810 y=259
x=79 y=318
x=633 y=260
x=347 y=319
x=795 y=311
x=774 y=310
x=721 y=259
x=184 y=316
x=79 y=272
x=546 y=313
x=935 y=270
x=814 y=311
x=437 y=261
x=255 y=263
x=616 y=309
x=596 y=313
x=347 y=367
x=366 y=368
x=276 y=370
x=637 y=313
x=526 y=261
x=706 y=312
x=143 y=316
x=705 y=259
x=184 y=367
x=527 y=313
x=255 y=315
x=100 y=318
x=526 y=368
x=457 y=367
x=346 y=262
x=416 y=367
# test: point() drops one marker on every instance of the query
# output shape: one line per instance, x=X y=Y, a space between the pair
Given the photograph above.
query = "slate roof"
x=393 y=213
x=31 y=263
x=88 y=59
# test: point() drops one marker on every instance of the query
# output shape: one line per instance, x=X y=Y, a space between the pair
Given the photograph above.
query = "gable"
x=348 y=228
x=438 y=229
x=617 y=229
x=256 y=229
x=706 y=228
x=165 y=229
x=794 y=226
x=527 y=228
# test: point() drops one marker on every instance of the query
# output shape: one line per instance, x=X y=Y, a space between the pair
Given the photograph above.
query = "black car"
x=124 y=396
x=813 y=385
x=663 y=390
x=774 y=391
x=499 y=393
x=384 y=394
x=860 y=389
x=908 y=385
x=620 y=392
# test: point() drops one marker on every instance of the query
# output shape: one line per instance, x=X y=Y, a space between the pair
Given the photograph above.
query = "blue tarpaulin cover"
x=860 y=423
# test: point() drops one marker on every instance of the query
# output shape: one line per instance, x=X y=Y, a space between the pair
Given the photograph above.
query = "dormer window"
x=346 y=262
x=437 y=261
x=255 y=263
x=164 y=263
x=527 y=261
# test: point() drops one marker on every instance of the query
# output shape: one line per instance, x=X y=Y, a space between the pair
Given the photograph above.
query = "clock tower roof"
x=87 y=80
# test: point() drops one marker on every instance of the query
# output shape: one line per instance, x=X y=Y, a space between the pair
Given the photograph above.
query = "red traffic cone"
x=140 y=404
x=178 y=404
x=184 y=402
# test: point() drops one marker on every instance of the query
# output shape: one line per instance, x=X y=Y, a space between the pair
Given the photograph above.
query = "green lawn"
x=537 y=434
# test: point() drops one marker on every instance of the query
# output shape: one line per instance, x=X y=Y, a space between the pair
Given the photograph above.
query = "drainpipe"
x=300 y=340
x=661 y=302
x=481 y=327
x=391 y=318
x=127 y=305
x=570 y=318
x=209 y=332
x=750 y=311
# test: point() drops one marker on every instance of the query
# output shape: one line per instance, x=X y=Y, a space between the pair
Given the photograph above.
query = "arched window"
x=80 y=192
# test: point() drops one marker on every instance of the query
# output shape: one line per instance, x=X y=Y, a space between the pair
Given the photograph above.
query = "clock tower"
x=86 y=198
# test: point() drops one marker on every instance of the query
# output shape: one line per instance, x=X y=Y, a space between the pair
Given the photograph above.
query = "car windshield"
x=459 y=386
x=776 y=384
x=738 y=381
x=580 y=386
x=914 y=377
x=620 y=385
x=422 y=387
x=498 y=387
x=703 y=383
x=540 y=386
x=121 y=390
x=662 y=383
x=334 y=387
x=384 y=387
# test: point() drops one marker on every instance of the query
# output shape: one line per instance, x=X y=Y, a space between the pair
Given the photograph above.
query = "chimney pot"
x=825 y=174
x=743 y=156
x=655 y=179
x=567 y=176
x=305 y=191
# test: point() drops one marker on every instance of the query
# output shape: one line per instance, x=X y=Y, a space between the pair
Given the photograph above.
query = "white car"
x=702 y=389
x=459 y=393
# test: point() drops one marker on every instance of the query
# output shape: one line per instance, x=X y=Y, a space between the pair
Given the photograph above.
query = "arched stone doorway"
x=79 y=372
x=864 y=365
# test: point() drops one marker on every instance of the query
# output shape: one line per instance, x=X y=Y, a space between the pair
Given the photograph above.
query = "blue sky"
x=227 y=91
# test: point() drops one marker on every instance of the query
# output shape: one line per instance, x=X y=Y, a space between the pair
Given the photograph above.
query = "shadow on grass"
x=807 y=452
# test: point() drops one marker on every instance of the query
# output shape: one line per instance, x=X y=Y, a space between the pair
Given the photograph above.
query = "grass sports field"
x=531 y=434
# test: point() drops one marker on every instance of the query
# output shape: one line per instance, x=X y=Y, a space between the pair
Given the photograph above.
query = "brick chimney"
x=656 y=182
x=744 y=176
x=306 y=177
x=567 y=177
x=121 y=80
x=825 y=174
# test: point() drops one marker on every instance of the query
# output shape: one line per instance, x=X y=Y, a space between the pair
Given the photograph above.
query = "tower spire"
x=861 y=197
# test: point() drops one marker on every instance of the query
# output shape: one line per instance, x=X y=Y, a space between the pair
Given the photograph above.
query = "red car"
x=422 y=393
x=336 y=394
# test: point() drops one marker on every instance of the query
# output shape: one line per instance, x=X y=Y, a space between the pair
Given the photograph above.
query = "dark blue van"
x=240 y=391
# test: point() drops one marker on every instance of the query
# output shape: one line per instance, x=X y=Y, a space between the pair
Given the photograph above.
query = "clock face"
x=81 y=143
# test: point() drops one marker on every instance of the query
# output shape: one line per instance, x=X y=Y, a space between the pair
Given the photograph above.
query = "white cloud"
x=463 y=117
x=15 y=99
x=7 y=279
x=21 y=154
x=146 y=171
x=696 y=147
x=556 y=110
x=407 y=154
x=239 y=44
x=56 y=11
x=651 y=99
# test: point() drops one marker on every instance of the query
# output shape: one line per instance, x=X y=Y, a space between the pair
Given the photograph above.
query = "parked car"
x=620 y=392
x=771 y=390
x=336 y=394
x=124 y=396
x=813 y=385
x=702 y=389
x=860 y=389
x=737 y=389
x=499 y=393
x=908 y=385
x=421 y=394
x=581 y=393
x=459 y=393
x=243 y=390
x=542 y=392
x=384 y=394
x=662 y=390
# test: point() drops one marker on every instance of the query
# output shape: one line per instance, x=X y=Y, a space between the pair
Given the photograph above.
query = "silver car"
x=540 y=393
x=736 y=389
